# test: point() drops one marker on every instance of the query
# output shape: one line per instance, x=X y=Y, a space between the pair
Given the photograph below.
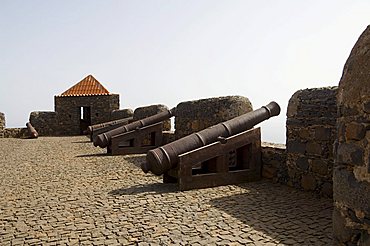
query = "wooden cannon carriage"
x=137 y=137
x=226 y=153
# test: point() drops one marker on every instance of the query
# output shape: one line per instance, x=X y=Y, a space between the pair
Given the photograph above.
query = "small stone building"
x=86 y=103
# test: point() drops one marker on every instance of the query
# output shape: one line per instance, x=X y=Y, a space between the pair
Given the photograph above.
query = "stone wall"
x=2 y=124
x=2 y=121
x=45 y=123
x=193 y=116
x=274 y=162
x=121 y=114
x=311 y=131
x=15 y=133
x=146 y=111
x=69 y=114
x=351 y=216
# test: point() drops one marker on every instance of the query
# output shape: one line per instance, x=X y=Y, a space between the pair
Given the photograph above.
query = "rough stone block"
x=194 y=116
x=367 y=107
x=121 y=114
x=319 y=166
x=269 y=172
x=342 y=233
x=350 y=153
x=308 y=182
x=327 y=189
x=296 y=147
x=323 y=133
x=314 y=148
x=302 y=163
x=146 y=111
x=2 y=121
x=304 y=133
x=351 y=192
x=355 y=131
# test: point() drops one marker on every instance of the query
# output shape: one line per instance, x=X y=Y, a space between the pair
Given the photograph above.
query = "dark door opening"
x=85 y=119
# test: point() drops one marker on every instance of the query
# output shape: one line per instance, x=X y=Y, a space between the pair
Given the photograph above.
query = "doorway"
x=85 y=119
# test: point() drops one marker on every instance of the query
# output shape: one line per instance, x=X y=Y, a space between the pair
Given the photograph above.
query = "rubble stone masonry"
x=45 y=123
x=2 y=124
x=121 y=114
x=351 y=177
x=193 y=116
x=311 y=132
x=146 y=111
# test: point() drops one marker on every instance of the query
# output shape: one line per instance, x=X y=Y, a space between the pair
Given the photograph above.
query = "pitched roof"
x=89 y=86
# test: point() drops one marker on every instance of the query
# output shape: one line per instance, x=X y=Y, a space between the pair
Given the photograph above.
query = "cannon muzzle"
x=32 y=131
x=161 y=159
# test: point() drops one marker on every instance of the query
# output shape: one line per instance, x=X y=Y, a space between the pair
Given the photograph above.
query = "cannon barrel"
x=162 y=159
x=32 y=131
x=95 y=127
x=103 y=140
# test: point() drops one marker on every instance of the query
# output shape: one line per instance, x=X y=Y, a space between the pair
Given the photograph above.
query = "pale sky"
x=170 y=51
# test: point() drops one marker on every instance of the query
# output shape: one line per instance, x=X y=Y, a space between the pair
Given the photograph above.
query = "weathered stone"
x=302 y=163
x=2 y=121
x=367 y=107
x=355 y=131
x=146 y=111
x=193 y=116
x=350 y=153
x=311 y=132
x=319 y=166
x=45 y=123
x=121 y=114
x=323 y=133
x=349 y=191
x=327 y=189
x=268 y=172
x=15 y=133
x=304 y=133
x=296 y=147
x=308 y=182
x=293 y=105
x=342 y=233
x=314 y=148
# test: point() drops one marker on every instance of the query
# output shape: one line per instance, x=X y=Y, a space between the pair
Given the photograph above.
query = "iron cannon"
x=104 y=139
x=164 y=158
x=97 y=129
x=32 y=131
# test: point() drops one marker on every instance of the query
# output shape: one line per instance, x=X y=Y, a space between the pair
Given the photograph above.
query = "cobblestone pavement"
x=64 y=191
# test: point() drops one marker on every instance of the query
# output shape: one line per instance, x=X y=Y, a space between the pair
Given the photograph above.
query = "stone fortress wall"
x=69 y=120
x=327 y=146
x=351 y=176
x=311 y=132
x=193 y=116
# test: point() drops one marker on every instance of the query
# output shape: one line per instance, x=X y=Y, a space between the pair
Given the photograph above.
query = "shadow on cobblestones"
x=79 y=142
x=137 y=160
x=294 y=217
x=94 y=155
x=157 y=188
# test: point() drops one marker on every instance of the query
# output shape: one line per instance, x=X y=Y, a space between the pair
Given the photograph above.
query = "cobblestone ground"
x=64 y=191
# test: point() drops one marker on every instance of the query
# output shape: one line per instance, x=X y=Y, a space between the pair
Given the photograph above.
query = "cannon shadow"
x=94 y=155
x=136 y=159
x=281 y=212
x=157 y=188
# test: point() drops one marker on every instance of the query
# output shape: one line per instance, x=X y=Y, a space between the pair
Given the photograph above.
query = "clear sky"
x=169 y=51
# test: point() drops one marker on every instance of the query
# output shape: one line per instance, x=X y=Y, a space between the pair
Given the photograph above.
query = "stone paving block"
x=65 y=194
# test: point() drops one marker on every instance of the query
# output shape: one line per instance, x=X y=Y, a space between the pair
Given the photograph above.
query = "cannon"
x=161 y=160
x=130 y=138
x=32 y=131
x=97 y=129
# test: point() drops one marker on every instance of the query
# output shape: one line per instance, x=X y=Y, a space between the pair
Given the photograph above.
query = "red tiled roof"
x=89 y=86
